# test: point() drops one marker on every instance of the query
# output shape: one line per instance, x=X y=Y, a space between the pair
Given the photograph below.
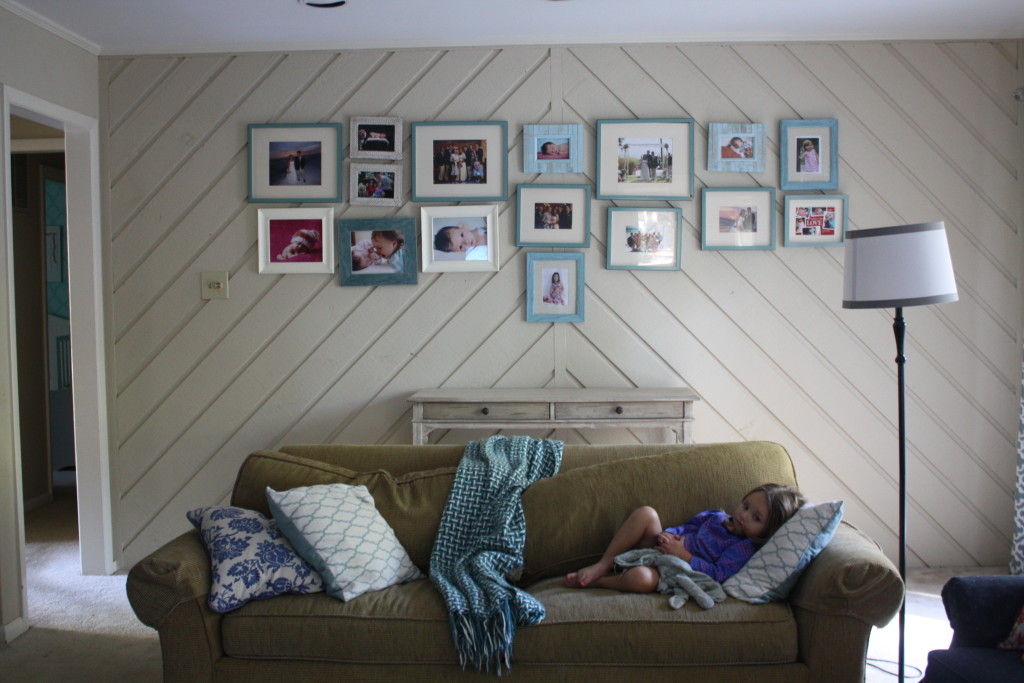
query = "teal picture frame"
x=721 y=137
x=822 y=137
x=540 y=271
x=630 y=232
x=815 y=220
x=574 y=199
x=623 y=145
x=538 y=139
x=433 y=182
x=271 y=152
x=352 y=232
x=722 y=208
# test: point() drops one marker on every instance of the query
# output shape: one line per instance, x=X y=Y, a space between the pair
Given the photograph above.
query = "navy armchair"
x=981 y=611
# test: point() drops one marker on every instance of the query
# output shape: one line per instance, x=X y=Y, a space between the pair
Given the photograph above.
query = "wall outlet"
x=214 y=285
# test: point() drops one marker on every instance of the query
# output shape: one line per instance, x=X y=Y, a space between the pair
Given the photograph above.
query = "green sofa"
x=819 y=634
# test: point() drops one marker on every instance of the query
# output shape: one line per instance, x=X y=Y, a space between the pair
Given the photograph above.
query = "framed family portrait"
x=817 y=220
x=460 y=161
x=736 y=147
x=377 y=251
x=554 y=287
x=645 y=159
x=459 y=238
x=737 y=218
x=375 y=184
x=809 y=154
x=644 y=239
x=553 y=149
x=295 y=163
x=375 y=137
x=553 y=215
x=296 y=240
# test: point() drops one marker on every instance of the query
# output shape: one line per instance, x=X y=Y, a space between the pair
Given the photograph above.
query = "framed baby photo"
x=376 y=251
x=809 y=154
x=375 y=137
x=736 y=147
x=817 y=220
x=644 y=239
x=553 y=149
x=375 y=184
x=737 y=218
x=459 y=238
x=645 y=159
x=554 y=287
x=460 y=161
x=553 y=215
x=296 y=240
x=295 y=163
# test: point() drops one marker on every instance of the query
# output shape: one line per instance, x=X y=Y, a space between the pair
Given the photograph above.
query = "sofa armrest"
x=850 y=578
x=174 y=574
x=981 y=609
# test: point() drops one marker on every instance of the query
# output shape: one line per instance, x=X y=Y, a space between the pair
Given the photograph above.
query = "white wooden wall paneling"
x=129 y=77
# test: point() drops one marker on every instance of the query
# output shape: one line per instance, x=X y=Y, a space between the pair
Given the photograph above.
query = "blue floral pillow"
x=249 y=558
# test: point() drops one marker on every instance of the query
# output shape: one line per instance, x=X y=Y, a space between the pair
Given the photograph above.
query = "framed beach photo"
x=460 y=238
x=554 y=287
x=817 y=220
x=377 y=251
x=295 y=163
x=737 y=218
x=553 y=215
x=645 y=159
x=809 y=154
x=375 y=137
x=374 y=184
x=644 y=239
x=460 y=161
x=736 y=147
x=296 y=240
x=553 y=149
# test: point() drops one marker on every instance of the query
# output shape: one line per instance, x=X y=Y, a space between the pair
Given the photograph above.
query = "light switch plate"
x=214 y=284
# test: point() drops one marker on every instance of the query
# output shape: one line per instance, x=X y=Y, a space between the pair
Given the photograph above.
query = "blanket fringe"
x=485 y=642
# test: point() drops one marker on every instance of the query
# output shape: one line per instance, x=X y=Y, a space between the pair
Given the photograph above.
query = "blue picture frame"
x=540 y=271
x=623 y=254
x=622 y=146
x=272 y=149
x=819 y=140
x=576 y=234
x=434 y=180
x=722 y=139
x=537 y=142
x=807 y=220
x=722 y=205
x=350 y=237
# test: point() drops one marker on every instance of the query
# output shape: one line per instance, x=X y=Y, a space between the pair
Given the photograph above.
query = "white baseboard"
x=9 y=632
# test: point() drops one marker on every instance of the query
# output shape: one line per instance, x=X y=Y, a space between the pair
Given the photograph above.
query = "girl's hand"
x=671 y=544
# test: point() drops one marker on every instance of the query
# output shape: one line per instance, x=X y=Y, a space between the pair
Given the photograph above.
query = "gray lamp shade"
x=904 y=265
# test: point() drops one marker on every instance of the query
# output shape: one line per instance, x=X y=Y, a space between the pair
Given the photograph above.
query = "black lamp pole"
x=899 y=327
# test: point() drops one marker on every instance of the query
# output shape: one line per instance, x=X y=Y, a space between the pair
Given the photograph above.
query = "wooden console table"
x=552 y=409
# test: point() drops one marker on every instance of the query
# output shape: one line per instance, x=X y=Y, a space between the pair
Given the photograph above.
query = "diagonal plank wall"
x=928 y=131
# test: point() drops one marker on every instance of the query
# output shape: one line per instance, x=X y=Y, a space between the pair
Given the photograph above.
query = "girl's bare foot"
x=588 y=575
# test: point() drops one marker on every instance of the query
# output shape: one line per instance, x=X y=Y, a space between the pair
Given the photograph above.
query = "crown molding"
x=54 y=28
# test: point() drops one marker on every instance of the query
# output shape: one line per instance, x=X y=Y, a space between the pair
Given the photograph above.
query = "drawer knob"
x=618 y=410
x=485 y=410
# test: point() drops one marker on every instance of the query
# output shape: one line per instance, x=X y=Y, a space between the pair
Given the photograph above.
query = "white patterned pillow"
x=774 y=569
x=339 y=531
x=249 y=558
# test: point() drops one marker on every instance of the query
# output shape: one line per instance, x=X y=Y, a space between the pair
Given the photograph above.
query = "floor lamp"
x=903 y=265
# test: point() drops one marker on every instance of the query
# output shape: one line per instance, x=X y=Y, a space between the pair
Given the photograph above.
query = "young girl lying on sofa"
x=713 y=542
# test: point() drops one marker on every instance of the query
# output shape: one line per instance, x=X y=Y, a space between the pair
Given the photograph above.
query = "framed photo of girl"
x=375 y=137
x=377 y=251
x=375 y=184
x=645 y=159
x=553 y=149
x=460 y=238
x=809 y=154
x=817 y=220
x=296 y=240
x=295 y=163
x=644 y=239
x=553 y=215
x=737 y=217
x=736 y=147
x=459 y=161
x=554 y=287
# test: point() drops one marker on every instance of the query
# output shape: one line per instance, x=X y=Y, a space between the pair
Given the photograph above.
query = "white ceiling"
x=121 y=27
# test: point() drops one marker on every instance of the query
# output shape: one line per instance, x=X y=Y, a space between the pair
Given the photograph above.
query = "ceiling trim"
x=44 y=23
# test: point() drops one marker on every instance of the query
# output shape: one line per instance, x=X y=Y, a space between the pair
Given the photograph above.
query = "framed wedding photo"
x=645 y=159
x=299 y=241
x=460 y=238
x=374 y=184
x=644 y=239
x=554 y=287
x=375 y=137
x=377 y=251
x=809 y=154
x=817 y=220
x=295 y=163
x=460 y=161
x=737 y=218
x=553 y=149
x=553 y=216
x=736 y=147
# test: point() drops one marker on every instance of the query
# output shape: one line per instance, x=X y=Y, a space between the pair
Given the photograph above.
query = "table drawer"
x=485 y=412
x=610 y=411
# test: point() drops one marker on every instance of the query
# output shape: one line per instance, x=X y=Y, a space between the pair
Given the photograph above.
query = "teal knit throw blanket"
x=481 y=539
